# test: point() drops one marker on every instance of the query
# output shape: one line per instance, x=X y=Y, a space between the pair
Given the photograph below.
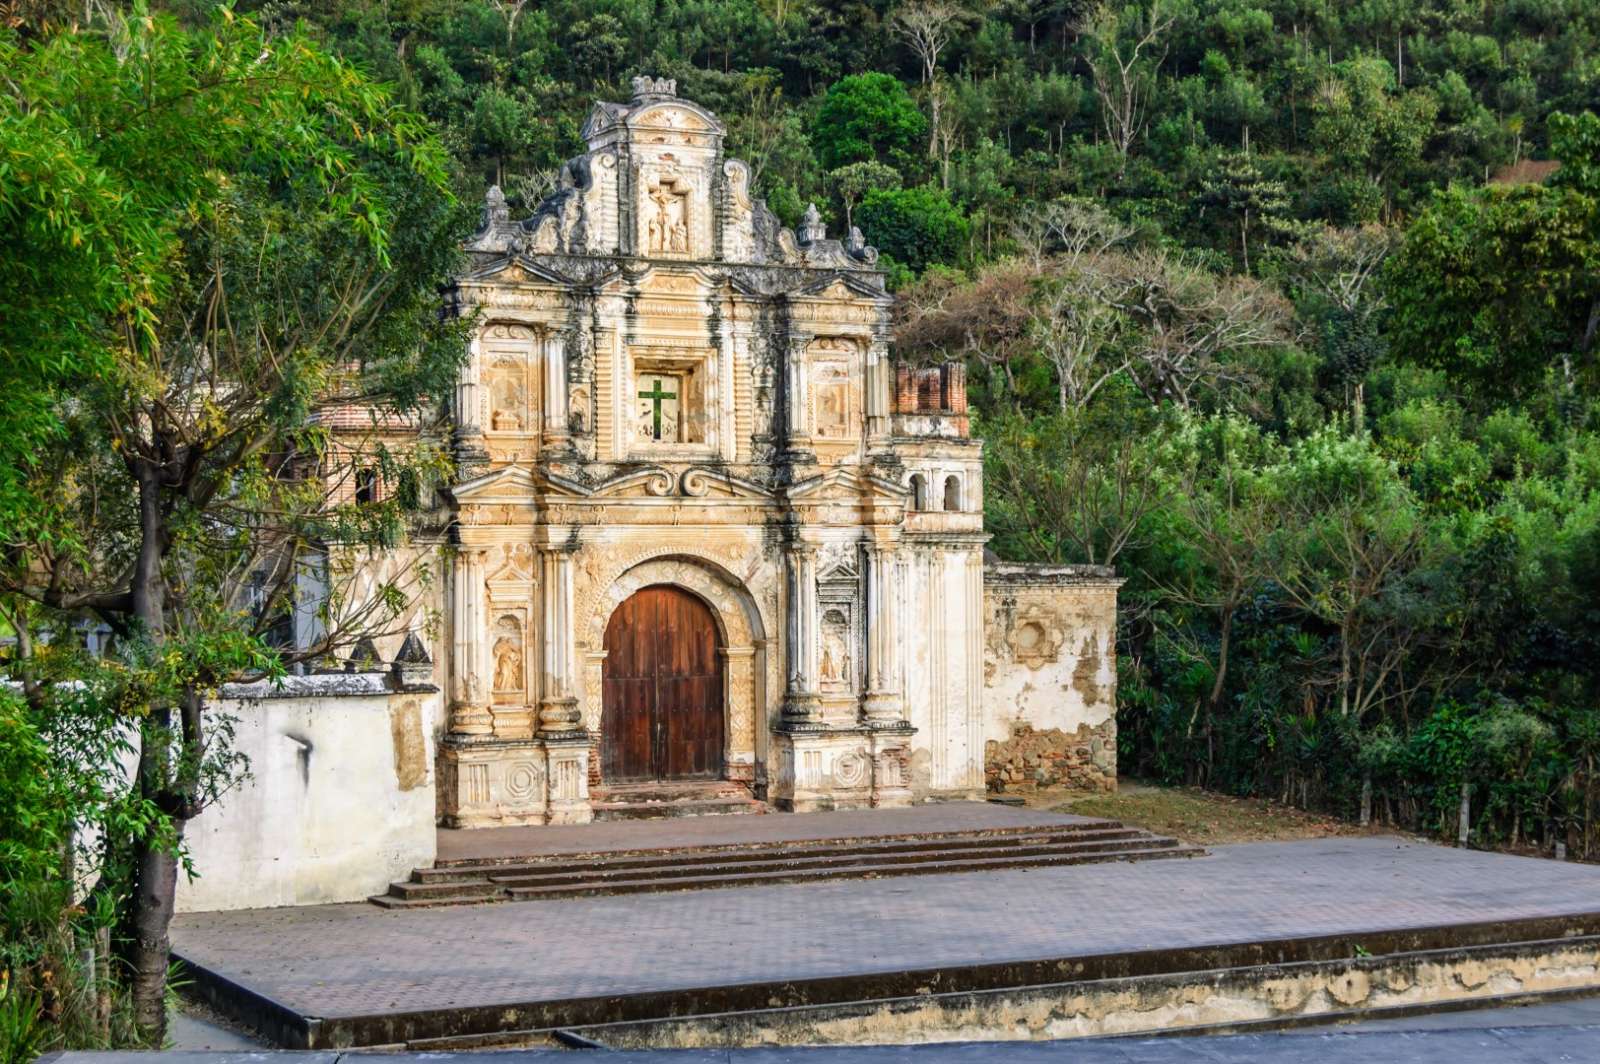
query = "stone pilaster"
x=739 y=663
x=884 y=704
x=472 y=454
x=798 y=442
x=470 y=718
x=556 y=428
x=879 y=395
x=558 y=707
x=802 y=704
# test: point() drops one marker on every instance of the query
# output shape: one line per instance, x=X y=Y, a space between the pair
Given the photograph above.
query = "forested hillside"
x=1275 y=305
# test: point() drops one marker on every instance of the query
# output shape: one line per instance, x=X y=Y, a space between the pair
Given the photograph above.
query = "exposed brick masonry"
x=1084 y=760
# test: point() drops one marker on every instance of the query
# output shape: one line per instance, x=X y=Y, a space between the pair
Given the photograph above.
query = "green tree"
x=1347 y=539
x=853 y=182
x=915 y=226
x=1237 y=188
x=867 y=118
x=1501 y=286
x=292 y=227
x=1065 y=488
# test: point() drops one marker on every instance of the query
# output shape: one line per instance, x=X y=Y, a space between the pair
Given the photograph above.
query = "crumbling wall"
x=1050 y=676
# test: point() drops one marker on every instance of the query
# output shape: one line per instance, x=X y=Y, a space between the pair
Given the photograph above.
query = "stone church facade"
x=708 y=536
x=706 y=526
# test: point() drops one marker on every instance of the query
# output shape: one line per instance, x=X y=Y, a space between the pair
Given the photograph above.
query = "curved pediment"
x=676 y=115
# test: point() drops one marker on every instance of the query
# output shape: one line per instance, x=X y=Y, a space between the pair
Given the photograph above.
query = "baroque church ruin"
x=710 y=540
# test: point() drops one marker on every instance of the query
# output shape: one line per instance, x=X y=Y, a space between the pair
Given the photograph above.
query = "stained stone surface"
x=1533 y=1044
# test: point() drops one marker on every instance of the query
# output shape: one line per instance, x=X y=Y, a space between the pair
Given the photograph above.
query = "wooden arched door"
x=662 y=713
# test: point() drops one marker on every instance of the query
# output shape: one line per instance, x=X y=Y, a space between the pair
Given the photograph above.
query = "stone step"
x=581 y=874
x=695 y=877
x=670 y=791
x=1103 y=830
x=463 y=890
x=803 y=853
x=665 y=809
x=655 y=884
x=570 y=875
x=397 y=897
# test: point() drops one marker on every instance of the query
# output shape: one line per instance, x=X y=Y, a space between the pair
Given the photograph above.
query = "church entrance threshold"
x=662 y=714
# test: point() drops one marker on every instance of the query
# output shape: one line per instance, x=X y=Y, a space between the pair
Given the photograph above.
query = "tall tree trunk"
x=154 y=898
x=1223 y=639
x=1344 y=667
x=155 y=866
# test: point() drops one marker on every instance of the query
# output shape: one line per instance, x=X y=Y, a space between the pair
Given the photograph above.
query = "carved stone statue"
x=507 y=664
x=835 y=664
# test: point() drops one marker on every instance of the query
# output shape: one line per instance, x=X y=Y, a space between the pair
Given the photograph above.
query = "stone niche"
x=835 y=389
x=670 y=399
x=510 y=359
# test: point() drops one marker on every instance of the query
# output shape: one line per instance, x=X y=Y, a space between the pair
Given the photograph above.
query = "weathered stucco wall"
x=1050 y=676
x=1265 y=995
x=340 y=799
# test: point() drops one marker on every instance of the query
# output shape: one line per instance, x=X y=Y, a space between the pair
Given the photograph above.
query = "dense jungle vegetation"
x=1287 y=309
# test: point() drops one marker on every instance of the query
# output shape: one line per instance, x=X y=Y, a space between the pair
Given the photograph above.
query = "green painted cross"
x=657 y=396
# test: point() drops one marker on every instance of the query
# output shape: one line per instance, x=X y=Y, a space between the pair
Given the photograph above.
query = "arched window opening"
x=919 y=492
x=367 y=485
x=952 y=493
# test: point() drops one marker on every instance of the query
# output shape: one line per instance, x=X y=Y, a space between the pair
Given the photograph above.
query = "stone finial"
x=857 y=247
x=648 y=86
x=811 y=228
x=363 y=656
x=495 y=210
x=412 y=652
x=412 y=665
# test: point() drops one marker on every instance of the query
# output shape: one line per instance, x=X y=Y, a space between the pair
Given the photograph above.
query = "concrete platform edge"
x=283 y=1025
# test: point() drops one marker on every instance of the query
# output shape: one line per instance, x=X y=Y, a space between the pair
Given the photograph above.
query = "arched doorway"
x=662 y=690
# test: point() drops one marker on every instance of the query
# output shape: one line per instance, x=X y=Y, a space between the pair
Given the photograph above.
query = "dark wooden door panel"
x=662 y=716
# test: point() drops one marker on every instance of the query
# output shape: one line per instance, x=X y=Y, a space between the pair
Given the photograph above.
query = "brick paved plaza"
x=345 y=960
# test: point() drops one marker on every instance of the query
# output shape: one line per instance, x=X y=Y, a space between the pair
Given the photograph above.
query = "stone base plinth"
x=841 y=768
x=504 y=782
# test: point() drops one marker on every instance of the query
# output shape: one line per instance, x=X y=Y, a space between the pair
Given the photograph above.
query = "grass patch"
x=1197 y=816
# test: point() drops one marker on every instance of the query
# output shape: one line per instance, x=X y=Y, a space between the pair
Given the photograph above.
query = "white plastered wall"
x=339 y=803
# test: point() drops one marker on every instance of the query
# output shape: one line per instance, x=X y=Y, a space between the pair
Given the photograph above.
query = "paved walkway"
x=741 y=830
x=350 y=960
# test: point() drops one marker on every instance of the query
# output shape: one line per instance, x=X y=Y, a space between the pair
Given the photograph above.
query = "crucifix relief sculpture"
x=658 y=408
x=667 y=221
